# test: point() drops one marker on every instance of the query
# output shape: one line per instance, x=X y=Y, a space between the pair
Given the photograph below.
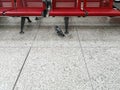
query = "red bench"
x=66 y=8
x=100 y=8
x=82 y=8
x=23 y=8
x=27 y=8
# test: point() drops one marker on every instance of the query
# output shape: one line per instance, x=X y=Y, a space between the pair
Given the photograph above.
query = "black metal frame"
x=66 y=20
x=44 y=13
x=22 y=24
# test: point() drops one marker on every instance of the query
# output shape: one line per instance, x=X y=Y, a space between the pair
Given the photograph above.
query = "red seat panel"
x=67 y=12
x=27 y=8
x=98 y=4
x=100 y=8
x=30 y=4
x=25 y=12
x=103 y=12
x=66 y=8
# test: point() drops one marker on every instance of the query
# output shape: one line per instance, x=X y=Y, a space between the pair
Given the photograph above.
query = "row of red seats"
x=83 y=8
x=24 y=8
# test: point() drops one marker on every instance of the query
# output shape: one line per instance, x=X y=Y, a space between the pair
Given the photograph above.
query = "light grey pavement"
x=86 y=59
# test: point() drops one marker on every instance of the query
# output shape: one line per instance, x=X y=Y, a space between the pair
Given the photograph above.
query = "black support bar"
x=66 y=19
x=22 y=24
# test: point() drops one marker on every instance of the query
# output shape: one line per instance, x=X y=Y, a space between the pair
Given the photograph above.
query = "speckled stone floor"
x=88 y=58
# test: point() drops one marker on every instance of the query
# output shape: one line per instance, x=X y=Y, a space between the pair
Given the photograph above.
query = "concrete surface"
x=86 y=59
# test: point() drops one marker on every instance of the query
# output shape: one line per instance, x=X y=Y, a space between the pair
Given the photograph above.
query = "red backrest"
x=6 y=4
x=64 y=4
x=98 y=4
x=30 y=4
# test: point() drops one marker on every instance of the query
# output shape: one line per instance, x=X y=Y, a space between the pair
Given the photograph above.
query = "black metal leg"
x=45 y=13
x=66 y=19
x=28 y=19
x=22 y=24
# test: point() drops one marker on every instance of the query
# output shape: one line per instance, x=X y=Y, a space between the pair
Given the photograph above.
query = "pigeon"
x=59 y=31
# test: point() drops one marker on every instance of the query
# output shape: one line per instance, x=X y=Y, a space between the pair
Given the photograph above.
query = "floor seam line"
x=84 y=59
x=18 y=76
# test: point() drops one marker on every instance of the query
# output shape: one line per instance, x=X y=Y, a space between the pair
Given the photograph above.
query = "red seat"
x=103 y=12
x=100 y=8
x=6 y=5
x=25 y=12
x=27 y=8
x=66 y=12
x=66 y=8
